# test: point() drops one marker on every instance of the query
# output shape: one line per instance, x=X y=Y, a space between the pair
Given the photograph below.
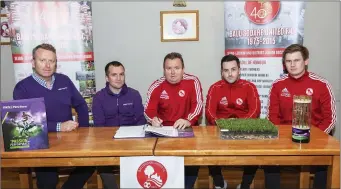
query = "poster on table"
x=67 y=25
x=24 y=124
x=257 y=32
x=152 y=172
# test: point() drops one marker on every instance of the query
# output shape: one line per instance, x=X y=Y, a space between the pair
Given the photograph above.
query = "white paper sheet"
x=130 y=132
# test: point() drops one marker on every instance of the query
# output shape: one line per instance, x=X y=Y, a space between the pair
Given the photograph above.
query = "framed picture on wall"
x=179 y=25
x=4 y=30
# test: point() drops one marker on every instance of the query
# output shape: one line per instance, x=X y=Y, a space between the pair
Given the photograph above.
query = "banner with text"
x=152 y=172
x=65 y=25
x=257 y=32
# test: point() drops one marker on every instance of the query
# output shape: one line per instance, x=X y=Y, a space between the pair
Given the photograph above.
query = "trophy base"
x=301 y=141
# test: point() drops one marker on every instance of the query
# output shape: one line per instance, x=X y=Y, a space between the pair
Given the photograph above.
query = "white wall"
x=130 y=32
x=322 y=37
x=136 y=41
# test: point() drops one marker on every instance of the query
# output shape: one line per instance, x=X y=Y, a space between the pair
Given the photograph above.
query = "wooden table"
x=95 y=146
x=84 y=147
x=207 y=149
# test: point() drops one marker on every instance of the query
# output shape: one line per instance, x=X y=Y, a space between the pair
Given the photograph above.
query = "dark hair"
x=172 y=56
x=228 y=58
x=295 y=48
x=45 y=46
x=113 y=63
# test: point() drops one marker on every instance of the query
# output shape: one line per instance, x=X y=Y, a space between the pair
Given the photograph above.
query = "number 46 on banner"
x=152 y=172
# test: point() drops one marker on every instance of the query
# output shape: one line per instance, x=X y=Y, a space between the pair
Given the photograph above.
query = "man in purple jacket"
x=60 y=96
x=116 y=105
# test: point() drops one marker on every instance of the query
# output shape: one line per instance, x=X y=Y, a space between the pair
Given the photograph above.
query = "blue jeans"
x=191 y=175
x=320 y=180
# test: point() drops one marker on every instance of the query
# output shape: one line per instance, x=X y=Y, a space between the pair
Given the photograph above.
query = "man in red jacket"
x=176 y=100
x=232 y=97
x=301 y=82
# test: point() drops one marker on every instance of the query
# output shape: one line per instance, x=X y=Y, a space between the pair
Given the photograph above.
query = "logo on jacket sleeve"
x=151 y=174
x=239 y=101
x=223 y=101
x=182 y=93
x=285 y=92
x=309 y=91
x=164 y=95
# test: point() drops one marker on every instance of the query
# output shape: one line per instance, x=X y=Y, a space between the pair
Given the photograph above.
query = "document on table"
x=130 y=132
x=163 y=131
x=141 y=131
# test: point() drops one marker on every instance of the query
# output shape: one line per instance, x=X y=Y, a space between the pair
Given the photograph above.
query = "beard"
x=231 y=80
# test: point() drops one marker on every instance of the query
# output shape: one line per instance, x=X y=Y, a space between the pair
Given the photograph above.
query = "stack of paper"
x=130 y=132
x=142 y=131
x=163 y=131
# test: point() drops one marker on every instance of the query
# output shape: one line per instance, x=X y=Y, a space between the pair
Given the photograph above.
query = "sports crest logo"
x=239 y=101
x=261 y=12
x=151 y=174
x=309 y=91
x=182 y=93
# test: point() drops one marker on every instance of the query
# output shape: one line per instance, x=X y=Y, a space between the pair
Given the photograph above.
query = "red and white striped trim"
x=254 y=89
x=156 y=84
x=197 y=87
x=332 y=102
x=210 y=99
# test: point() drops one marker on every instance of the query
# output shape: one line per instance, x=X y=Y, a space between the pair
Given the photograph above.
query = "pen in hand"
x=156 y=122
x=160 y=121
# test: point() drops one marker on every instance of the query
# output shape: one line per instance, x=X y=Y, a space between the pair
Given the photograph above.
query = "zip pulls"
x=118 y=111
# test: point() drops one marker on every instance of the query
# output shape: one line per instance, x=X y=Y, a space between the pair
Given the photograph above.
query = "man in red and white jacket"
x=299 y=81
x=176 y=98
x=232 y=97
